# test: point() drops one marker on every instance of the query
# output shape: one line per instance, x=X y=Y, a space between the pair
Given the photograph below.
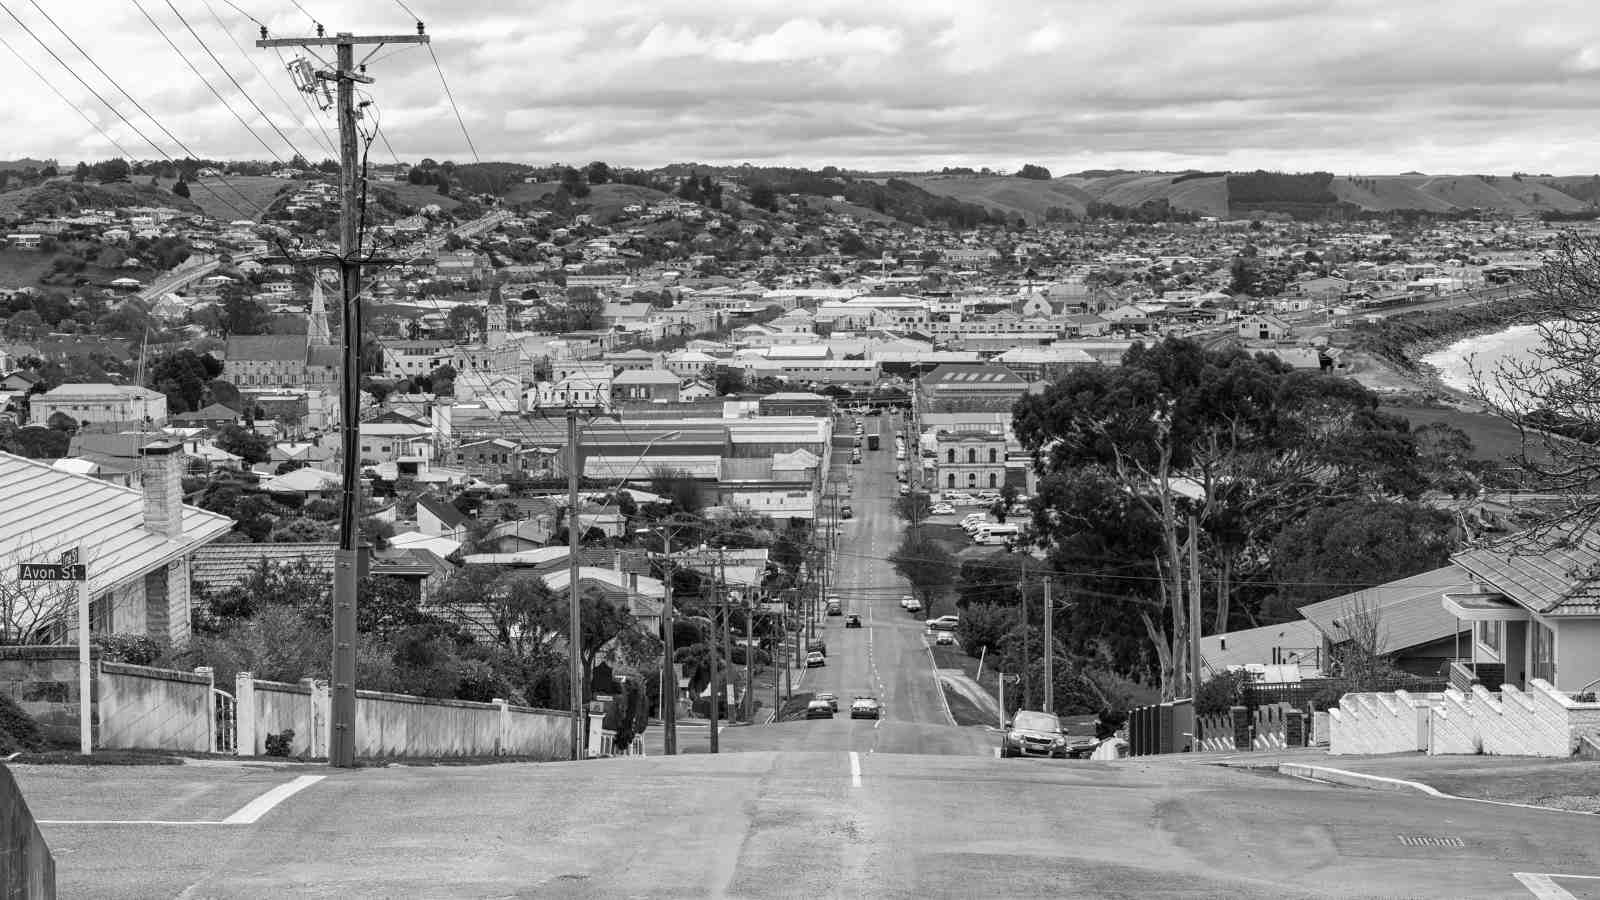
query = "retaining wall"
x=139 y=706
x=27 y=870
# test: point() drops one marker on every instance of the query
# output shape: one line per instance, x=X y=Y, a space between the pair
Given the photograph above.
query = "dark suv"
x=1033 y=733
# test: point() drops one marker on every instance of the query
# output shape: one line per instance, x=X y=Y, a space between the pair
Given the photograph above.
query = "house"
x=102 y=404
x=135 y=543
x=645 y=384
x=952 y=383
x=308 y=484
x=969 y=460
x=1401 y=620
x=1532 y=612
x=436 y=518
x=219 y=567
x=1296 y=644
x=214 y=416
x=1264 y=327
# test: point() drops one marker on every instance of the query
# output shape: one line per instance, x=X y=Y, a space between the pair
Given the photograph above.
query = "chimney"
x=161 y=463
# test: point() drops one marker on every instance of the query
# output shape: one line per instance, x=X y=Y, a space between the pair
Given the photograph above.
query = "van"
x=995 y=534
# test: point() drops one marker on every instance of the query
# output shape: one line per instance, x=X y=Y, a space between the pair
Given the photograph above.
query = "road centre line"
x=855 y=769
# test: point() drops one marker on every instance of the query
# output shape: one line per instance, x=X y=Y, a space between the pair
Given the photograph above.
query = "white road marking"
x=1543 y=885
x=855 y=769
x=249 y=814
x=260 y=806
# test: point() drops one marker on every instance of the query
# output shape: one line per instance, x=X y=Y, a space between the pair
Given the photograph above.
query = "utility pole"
x=1027 y=683
x=342 y=742
x=1049 y=652
x=716 y=666
x=669 y=673
x=574 y=604
x=749 y=660
x=1194 y=607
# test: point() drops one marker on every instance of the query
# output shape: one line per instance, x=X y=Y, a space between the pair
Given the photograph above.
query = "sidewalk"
x=1564 y=784
x=959 y=682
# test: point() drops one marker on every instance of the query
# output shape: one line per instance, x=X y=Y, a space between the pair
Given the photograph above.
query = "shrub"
x=1220 y=692
x=18 y=730
x=134 y=649
x=279 y=744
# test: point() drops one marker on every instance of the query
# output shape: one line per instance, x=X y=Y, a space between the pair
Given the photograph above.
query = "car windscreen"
x=1035 y=721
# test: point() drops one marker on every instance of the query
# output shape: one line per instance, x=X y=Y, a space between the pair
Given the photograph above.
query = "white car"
x=943 y=623
x=943 y=509
x=910 y=604
x=945 y=638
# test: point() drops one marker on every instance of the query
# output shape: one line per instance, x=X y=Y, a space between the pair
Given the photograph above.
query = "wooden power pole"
x=342 y=743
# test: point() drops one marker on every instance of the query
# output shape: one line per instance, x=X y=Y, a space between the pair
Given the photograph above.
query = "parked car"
x=911 y=604
x=943 y=623
x=834 y=608
x=815 y=660
x=945 y=638
x=828 y=697
x=819 y=709
x=852 y=621
x=817 y=645
x=943 y=509
x=865 y=708
x=845 y=512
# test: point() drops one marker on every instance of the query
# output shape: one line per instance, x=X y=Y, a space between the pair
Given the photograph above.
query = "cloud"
x=1348 y=85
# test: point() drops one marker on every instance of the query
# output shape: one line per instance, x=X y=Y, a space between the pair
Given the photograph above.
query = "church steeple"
x=495 y=318
x=317 y=334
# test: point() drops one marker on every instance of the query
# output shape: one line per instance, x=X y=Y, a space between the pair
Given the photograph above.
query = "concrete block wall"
x=43 y=681
x=1378 y=723
x=1452 y=728
x=26 y=867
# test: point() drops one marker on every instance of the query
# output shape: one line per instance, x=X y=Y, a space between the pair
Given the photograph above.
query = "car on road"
x=819 y=709
x=943 y=509
x=852 y=621
x=817 y=645
x=943 y=623
x=1034 y=733
x=945 y=638
x=865 y=708
x=845 y=512
x=904 y=489
x=910 y=604
x=828 y=697
x=815 y=659
x=855 y=456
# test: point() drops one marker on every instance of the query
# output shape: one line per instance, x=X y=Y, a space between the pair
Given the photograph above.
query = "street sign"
x=1010 y=679
x=52 y=572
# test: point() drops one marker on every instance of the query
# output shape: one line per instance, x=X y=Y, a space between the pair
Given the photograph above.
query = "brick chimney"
x=162 y=470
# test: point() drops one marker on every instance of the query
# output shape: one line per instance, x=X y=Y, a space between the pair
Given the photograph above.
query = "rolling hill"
x=1211 y=194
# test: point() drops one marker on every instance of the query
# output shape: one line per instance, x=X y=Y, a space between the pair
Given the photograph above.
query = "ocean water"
x=1483 y=354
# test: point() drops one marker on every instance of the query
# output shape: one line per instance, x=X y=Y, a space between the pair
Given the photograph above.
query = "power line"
x=236 y=85
x=116 y=112
x=203 y=80
x=308 y=15
x=75 y=107
x=326 y=144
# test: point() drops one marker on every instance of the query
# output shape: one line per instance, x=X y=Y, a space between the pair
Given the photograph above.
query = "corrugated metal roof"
x=48 y=511
x=1559 y=580
x=1410 y=611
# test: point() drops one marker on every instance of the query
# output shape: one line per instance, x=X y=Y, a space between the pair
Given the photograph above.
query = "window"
x=951 y=482
x=1544 y=652
x=1492 y=636
x=952 y=456
x=972 y=455
x=972 y=479
x=991 y=457
x=991 y=479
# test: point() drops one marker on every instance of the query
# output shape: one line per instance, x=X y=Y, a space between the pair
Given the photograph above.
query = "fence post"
x=502 y=743
x=1294 y=729
x=317 y=736
x=1241 y=728
x=210 y=675
x=1166 y=740
x=244 y=714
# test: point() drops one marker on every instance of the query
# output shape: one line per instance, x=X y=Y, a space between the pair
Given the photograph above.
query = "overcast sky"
x=1350 y=86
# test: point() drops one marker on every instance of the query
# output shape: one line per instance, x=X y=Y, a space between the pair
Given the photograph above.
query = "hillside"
x=1310 y=195
x=605 y=201
x=66 y=197
x=1009 y=196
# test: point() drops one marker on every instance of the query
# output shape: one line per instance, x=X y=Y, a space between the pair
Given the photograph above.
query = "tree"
x=913 y=507
x=183 y=376
x=597 y=172
x=243 y=443
x=466 y=322
x=573 y=183
x=764 y=196
x=984 y=627
x=1124 y=451
x=1033 y=172
x=1356 y=545
x=181 y=188
x=729 y=381
x=925 y=563
x=241 y=314
x=60 y=421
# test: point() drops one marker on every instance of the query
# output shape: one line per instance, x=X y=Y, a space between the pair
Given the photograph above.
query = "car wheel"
x=1005 y=752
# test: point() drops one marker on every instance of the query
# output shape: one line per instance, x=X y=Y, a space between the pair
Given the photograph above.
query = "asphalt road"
x=887 y=657
x=791 y=824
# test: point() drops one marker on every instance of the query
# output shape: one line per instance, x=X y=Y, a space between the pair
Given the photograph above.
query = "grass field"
x=220 y=201
x=1493 y=438
x=20 y=268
